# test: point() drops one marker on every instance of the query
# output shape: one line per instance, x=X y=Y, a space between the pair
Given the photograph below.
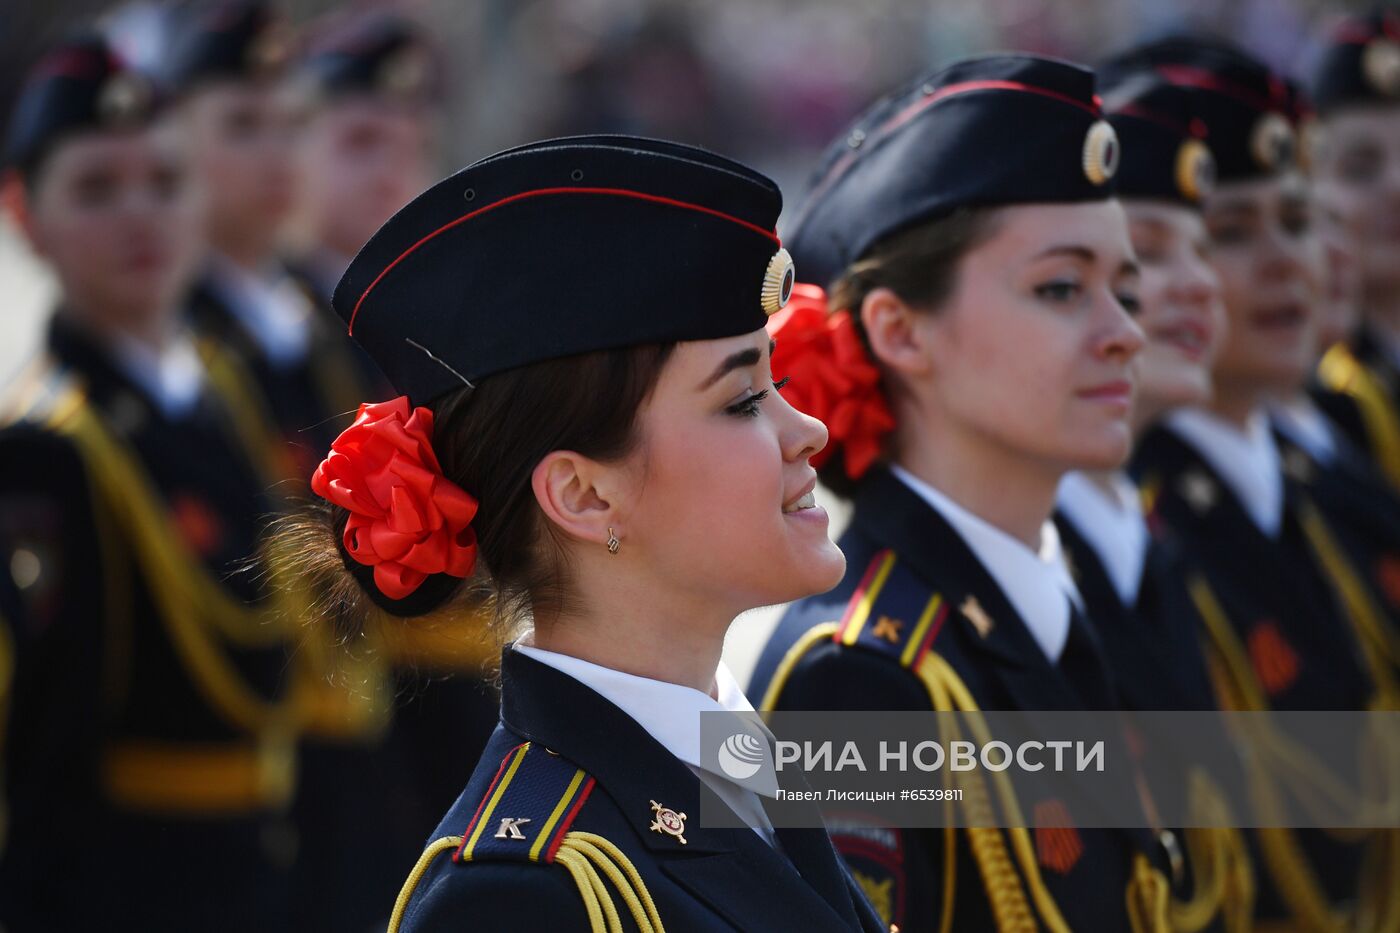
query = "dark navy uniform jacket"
x=1358 y=386
x=310 y=401
x=1271 y=603
x=1154 y=645
x=1154 y=648
x=392 y=781
x=111 y=723
x=567 y=766
x=979 y=634
x=1363 y=512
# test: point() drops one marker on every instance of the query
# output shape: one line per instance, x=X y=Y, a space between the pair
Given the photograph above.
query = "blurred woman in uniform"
x=1290 y=623
x=149 y=749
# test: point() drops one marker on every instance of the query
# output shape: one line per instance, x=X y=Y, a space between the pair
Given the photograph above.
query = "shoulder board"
x=528 y=809
x=44 y=388
x=892 y=612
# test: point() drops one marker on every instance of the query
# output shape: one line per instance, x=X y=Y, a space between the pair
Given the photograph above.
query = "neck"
x=155 y=331
x=1383 y=311
x=1104 y=481
x=248 y=253
x=618 y=624
x=1003 y=487
x=1235 y=402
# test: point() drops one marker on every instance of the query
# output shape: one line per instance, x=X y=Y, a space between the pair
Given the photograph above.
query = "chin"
x=1108 y=450
x=1186 y=392
x=817 y=573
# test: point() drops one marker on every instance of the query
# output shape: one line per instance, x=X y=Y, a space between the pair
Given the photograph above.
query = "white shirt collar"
x=1038 y=585
x=670 y=713
x=270 y=307
x=1305 y=425
x=1247 y=461
x=173 y=376
x=1112 y=522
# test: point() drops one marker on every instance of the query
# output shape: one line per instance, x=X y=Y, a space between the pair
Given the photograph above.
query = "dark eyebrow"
x=740 y=360
x=1078 y=252
x=1129 y=267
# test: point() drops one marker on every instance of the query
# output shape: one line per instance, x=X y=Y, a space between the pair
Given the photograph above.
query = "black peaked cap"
x=562 y=247
x=987 y=131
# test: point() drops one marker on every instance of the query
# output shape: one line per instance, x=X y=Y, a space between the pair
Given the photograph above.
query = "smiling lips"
x=1279 y=317
x=1120 y=390
x=1190 y=338
x=807 y=500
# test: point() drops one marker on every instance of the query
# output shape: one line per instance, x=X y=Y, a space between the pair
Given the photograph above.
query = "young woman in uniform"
x=590 y=429
x=978 y=347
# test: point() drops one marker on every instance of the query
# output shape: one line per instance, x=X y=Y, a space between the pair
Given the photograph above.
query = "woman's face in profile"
x=724 y=502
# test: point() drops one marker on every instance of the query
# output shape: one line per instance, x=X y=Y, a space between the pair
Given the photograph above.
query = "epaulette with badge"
x=892 y=612
x=527 y=815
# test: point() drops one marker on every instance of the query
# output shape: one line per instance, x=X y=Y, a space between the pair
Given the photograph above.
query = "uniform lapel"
x=894 y=515
x=735 y=872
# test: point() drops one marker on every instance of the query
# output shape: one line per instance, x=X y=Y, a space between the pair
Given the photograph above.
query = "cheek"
x=80 y=244
x=1014 y=368
x=720 y=482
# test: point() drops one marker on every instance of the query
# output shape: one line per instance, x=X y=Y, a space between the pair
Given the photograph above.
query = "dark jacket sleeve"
x=901 y=871
x=58 y=637
x=496 y=897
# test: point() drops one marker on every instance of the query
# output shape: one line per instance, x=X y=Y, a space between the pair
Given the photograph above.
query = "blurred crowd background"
x=767 y=81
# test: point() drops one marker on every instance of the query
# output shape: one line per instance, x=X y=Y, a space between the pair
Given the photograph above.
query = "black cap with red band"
x=1001 y=129
x=563 y=247
x=81 y=85
x=1249 y=112
x=1165 y=153
x=1361 y=64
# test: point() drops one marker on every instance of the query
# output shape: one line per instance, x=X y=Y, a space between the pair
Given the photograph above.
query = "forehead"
x=1030 y=229
x=157 y=143
x=1257 y=193
x=1364 y=124
x=372 y=110
x=1163 y=214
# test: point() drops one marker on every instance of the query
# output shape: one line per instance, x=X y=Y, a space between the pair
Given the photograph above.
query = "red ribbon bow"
x=407 y=520
x=833 y=379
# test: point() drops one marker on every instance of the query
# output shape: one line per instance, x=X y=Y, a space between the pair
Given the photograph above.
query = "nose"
x=802 y=436
x=1194 y=284
x=1118 y=337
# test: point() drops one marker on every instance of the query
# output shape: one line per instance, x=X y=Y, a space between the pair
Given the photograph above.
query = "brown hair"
x=920 y=265
x=488 y=440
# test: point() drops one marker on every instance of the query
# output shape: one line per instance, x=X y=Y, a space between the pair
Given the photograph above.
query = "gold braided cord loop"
x=1004 y=890
x=634 y=891
x=1373 y=631
x=434 y=849
x=588 y=858
x=1278 y=763
x=194 y=607
x=1220 y=865
x=1343 y=372
x=602 y=913
x=1147 y=897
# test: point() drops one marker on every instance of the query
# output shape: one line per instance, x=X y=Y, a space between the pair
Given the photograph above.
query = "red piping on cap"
x=1161 y=119
x=963 y=87
x=538 y=192
x=1189 y=76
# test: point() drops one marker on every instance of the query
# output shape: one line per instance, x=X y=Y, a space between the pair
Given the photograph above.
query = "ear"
x=578 y=496
x=891 y=327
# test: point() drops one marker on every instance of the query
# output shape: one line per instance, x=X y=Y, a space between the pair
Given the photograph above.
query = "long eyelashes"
x=748 y=408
